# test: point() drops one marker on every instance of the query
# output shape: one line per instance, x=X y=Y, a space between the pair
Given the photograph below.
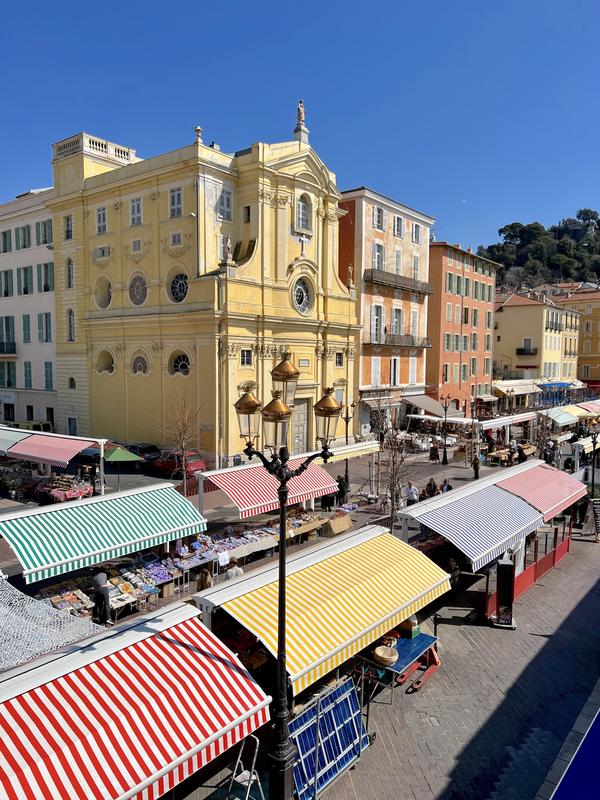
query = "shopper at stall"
x=475 y=464
x=521 y=455
x=100 y=585
x=454 y=572
x=234 y=571
x=410 y=494
x=205 y=581
x=446 y=486
x=342 y=494
x=431 y=489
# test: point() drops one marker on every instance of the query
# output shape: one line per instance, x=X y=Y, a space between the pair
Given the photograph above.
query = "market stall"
x=342 y=595
x=129 y=716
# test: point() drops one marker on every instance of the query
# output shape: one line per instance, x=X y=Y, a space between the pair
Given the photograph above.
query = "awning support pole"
x=101 y=468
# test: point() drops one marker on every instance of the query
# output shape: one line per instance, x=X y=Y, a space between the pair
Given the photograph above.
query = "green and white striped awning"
x=53 y=540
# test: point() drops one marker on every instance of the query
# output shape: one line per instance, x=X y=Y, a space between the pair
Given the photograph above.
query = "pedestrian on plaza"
x=521 y=455
x=206 y=580
x=431 y=489
x=434 y=453
x=423 y=495
x=475 y=464
x=446 y=486
x=410 y=494
x=454 y=571
x=100 y=585
x=342 y=495
x=234 y=571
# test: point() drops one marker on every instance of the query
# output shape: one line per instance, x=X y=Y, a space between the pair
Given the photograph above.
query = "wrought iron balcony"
x=527 y=351
x=396 y=340
x=8 y=348
x=384 y=278
x=554 y=326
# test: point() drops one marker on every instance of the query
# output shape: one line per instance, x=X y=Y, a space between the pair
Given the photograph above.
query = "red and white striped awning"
x=547 y=489
x=253 y=491
x=54 y=450
x=128 y=717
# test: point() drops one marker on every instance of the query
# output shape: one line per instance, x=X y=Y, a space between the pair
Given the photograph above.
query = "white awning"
x=516 y=387
x=428 y=404
x=451 y=420
x=501 y=422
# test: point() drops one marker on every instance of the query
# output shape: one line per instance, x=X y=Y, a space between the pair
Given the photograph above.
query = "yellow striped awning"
x=355 y=450
x=340 y=605
x=577 y=411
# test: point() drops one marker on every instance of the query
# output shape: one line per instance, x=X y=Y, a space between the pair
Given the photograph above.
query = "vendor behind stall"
x=101 y=612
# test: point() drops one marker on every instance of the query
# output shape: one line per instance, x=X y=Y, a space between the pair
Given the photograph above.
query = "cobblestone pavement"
x=490 y=723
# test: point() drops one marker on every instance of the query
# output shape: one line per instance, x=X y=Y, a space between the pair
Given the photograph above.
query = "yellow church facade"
x=183 y=277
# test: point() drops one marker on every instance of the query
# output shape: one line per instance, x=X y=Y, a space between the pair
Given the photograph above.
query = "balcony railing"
x=396 y=340
x=8 y=348
x=554 y=326
x=527 y=351
x=380 y=276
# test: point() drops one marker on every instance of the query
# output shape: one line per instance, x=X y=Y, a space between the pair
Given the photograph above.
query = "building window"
x=22 y=237
x=395 y=371
x=475 y=317
x=412 y=370
x=26 y=329
x=101 y=219
x=48 y=379
x=397 y=321
x=488 y=342
x=69 y=273
x=303 y=213
x=136 y=246
x=29 y=413
x=7 y=283
x=445 y=372
x=398 y=262
x=465 y=343
x=138 y=290
x=466 y=315
x=416 y=233
x=43 y=232
x=473 y=366
x=68 y=227
x=9 y=412
x=587 y=327
x=27 y=374
x=225 y=204
x=415 y=260
x=8 y=375
x=586 y=371
x=179 y=364
x=178 y=287
x=72 y=383
x=378 y=218
x=464 y=372
x=488 y=319
x=398 y=226
x=246 y=357
x=70 y=325
x=586 y=347
x=139 y=365
x=45 y=277
x=378 y=256
x=455 y=373
x=45 y=327
x=105 y=362
x=339 y=359
x=457 y=314
x=246 y=214
x=447 y=342
x=375 y=371
x=487 y=362
x=175 y=206
x=448 y=312
x=72 y=426
x=176 y=238
x=376 y=324
x=474 y=341
x=6 y=242
x=459 y=284
x=135 y=209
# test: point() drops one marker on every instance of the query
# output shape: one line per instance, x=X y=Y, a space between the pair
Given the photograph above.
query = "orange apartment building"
x=460 y=327
x=384 y=254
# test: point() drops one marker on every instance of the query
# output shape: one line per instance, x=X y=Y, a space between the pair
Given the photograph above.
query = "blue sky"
x=477 y=112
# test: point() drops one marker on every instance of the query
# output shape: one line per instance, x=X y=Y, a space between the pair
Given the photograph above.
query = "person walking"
x=234 y=571
x=431 y=489
x=100 y=585
x=475 y=464
x=410 y=494
x=342 y=495
x=205 y=581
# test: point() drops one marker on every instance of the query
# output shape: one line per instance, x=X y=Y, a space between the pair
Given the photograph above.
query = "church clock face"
x=301 y=296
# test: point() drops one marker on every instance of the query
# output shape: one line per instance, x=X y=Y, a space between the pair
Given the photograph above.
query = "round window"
x=178 y=288
x=180 y=364
x=302 y=295
x=103 y=293
x=139 y=365
x=138 y=290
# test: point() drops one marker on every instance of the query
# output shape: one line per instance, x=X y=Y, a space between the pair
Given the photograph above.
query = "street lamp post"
x=347 y=418
x=276 y=417
x=594 y=440
x=445 y=406
x=511 y=399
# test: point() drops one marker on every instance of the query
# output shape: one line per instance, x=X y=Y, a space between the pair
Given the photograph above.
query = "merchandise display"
x=65 y=487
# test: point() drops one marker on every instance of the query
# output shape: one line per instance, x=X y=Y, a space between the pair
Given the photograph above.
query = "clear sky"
x=478 y=112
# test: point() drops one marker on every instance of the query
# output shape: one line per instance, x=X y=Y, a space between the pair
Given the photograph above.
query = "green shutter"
x=17 y=238
x=40 y=327
x=30 y=279
x=9 y=283
x=49 y=231
x=19 y=281
x=51 y=275
x=26 y=328
x=27 y=236
x=40 y=285
x=38 y=233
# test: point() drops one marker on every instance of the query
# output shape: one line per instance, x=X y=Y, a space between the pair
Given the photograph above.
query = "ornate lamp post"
x=445 y=406
x=348 y=417
x=276 y=417
x=510 y=394
x=594 y=435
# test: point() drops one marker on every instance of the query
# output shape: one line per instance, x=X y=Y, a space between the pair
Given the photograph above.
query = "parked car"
x=169 y=464
x=149 y=452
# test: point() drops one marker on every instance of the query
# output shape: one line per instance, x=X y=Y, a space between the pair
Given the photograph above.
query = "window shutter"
x=9 y=282
x=374 y=323
x=48 y=327
x=374 y=220
x=17 y=239
x=51 y=275
x=40 y=327
x=374 y=259
x=382 y=256
x=38 y=233
x=40 y=284
x=385 y=219
x=27 y=236
x=49 y=231
x=19 y=282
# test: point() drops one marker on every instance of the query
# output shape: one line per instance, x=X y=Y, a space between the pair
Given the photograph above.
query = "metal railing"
x=384 y=278
x=8 y=348
x=397 y=340
x=527 y=351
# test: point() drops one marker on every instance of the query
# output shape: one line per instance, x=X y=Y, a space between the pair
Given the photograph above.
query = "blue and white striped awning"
x=483 y=524
x=57 y=539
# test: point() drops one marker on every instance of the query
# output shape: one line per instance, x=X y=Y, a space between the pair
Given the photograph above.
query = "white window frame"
x=375 y=371
x=135 y=211
x=225 y=205
x=416 y=233
x=246 y=357
x=397 y=321
x=449 y=310
x=416 y=266
x=398 y=261
x=175 y=202
x=398 y=226
x=378 y=218
x=395 y=371
x=378 y=256
x=101 y=220
x=412 y=370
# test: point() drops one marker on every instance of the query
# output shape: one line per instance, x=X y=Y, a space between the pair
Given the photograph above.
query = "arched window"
x=69 y=270
x=72 y=384
x=105 y=362
x=304 y=213
x=139 y=365
x=178 y=287
x=179 y=364
x=70 y=325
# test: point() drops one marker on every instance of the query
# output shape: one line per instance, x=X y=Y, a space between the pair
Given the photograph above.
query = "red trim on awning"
x=55 y=450
x=548 y=490
x=106 y=729
x=253 y=491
